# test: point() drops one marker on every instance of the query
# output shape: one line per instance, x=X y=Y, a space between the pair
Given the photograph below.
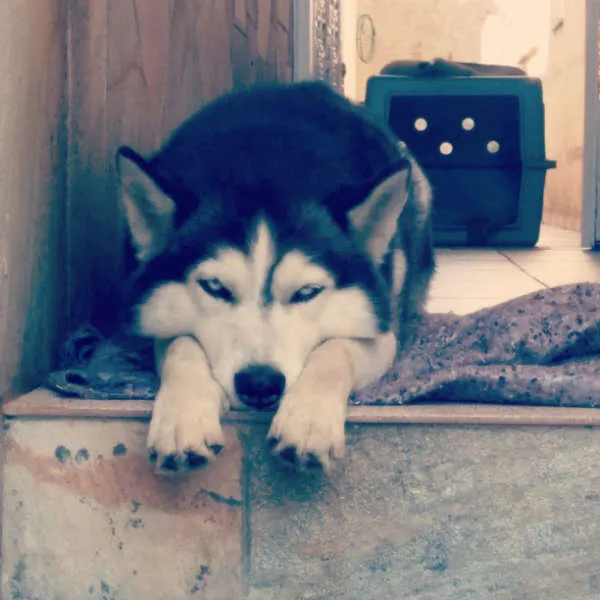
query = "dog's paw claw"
x=169 y=463
x=216 y=449
x=305 y=439
x=180 y=441
x=289 y=457
x=313 y=462
x=188 y=461
x=194 y=460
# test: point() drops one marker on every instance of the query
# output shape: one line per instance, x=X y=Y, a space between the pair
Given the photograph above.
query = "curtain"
x=327 y=62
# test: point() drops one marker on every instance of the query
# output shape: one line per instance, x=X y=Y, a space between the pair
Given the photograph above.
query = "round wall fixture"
x=365 y=38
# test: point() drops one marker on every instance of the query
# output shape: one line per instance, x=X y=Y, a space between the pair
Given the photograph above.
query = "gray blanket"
x=541 y=349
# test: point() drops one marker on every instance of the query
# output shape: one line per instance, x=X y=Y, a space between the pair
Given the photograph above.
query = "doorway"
x=555 y=40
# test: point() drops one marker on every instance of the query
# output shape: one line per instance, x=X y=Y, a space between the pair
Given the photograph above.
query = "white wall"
x=549 y=34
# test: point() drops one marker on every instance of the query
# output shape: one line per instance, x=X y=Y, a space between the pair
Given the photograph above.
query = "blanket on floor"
x=541 y=349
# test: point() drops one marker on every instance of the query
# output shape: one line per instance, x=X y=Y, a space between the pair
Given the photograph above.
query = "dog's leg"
x=185 y=431
x=308 y=428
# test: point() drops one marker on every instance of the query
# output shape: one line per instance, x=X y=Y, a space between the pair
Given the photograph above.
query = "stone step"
x=434 y=502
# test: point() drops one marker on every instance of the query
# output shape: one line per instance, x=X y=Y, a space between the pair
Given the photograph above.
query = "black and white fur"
x=283 y=241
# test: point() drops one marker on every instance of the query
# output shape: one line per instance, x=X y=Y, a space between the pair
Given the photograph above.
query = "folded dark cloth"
x=95 y=367
x=541 y=349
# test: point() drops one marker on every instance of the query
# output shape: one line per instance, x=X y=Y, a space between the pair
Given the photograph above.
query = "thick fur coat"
x=283 y=245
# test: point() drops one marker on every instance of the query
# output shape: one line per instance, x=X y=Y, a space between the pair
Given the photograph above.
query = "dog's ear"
x=149 y=211
x=375 y=220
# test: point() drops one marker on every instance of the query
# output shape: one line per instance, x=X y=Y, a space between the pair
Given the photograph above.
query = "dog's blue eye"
x=306 y=293
x=213 y=287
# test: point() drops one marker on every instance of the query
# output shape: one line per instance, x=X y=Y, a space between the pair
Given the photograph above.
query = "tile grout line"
x=516 y=264
x=246 y=533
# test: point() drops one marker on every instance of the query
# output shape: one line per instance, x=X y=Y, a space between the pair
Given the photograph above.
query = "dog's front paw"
x=308 y=433
x=185 y=431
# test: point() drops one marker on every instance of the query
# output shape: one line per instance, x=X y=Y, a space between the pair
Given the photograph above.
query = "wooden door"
x=136 y=69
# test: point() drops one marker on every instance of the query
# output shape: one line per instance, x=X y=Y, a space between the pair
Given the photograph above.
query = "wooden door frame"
x=590 y=221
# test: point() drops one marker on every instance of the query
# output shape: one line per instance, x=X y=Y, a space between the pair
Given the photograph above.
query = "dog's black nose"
x=259 y=386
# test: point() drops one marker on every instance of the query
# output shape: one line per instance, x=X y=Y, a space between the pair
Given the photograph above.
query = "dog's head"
x=258 y=277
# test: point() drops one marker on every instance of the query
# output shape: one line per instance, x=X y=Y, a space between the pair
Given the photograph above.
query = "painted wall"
x=545 y=37
x=32 y=188
x=420 y=30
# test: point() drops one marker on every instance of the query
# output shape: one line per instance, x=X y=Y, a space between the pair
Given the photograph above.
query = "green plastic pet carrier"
x=478 y=132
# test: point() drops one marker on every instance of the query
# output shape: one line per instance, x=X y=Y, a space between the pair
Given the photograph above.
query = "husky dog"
x=283 y=244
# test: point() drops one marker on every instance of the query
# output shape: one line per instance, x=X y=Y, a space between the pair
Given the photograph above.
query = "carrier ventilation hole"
x=446 y=148
x=421 y=124
x=468 y=124
x=493 y=146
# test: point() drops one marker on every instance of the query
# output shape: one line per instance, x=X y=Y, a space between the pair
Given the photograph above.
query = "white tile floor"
x=467 y=280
